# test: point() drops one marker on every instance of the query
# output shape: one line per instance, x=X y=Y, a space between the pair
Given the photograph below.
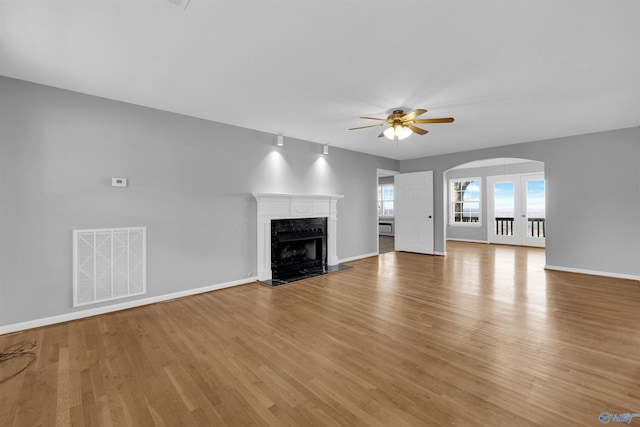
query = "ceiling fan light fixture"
x=402 y=132
x=390 y=133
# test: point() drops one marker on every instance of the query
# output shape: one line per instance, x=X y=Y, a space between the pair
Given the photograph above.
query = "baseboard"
x=440 y=253
x=15 y=327
x=468 y=240
x=592 y=272
x=354 y=258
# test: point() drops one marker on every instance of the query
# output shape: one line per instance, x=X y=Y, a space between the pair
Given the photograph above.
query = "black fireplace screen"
x=298 y=247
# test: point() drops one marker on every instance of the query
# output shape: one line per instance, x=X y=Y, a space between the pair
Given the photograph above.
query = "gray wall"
x=593 y=196
x=190 y=183
x=385 y=180
x=479 y=233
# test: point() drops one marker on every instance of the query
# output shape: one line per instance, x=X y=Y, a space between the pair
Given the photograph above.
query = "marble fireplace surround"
x=290 y=206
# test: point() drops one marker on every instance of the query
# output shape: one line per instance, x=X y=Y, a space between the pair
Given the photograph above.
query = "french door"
x=414 y=212
x=516 y=209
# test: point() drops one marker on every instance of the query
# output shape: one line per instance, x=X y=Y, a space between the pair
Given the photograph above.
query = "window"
x=385 y=200
x=464 y=208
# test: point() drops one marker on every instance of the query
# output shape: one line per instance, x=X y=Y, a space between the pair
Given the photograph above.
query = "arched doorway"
x=499 y=200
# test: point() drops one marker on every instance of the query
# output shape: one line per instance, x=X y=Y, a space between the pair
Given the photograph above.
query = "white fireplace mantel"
x=286 y=206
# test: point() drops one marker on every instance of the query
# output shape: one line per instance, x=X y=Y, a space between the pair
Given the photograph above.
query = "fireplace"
x=296 y=233
x=298 y=248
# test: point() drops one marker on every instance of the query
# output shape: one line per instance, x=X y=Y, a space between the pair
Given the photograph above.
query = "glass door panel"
x=502 y=208
x=535 y=230
x=516 y=209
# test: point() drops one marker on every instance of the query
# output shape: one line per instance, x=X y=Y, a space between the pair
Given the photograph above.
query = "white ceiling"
x=508 y=71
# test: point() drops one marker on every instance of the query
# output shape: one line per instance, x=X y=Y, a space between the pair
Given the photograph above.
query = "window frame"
x=452 y=203
x=381 y=200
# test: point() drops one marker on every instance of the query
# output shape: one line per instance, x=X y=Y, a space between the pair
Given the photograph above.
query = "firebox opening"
x=298 y=249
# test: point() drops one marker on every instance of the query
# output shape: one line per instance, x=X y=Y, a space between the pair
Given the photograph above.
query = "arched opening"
x=497 y=200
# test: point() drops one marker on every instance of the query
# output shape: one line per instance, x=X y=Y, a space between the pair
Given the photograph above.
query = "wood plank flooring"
x=481 y=337
x=386 y=244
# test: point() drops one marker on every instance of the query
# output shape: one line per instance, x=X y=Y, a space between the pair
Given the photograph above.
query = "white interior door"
x=414 y=212
x=516 y=210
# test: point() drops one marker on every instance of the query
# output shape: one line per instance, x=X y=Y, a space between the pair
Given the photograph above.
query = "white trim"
x=592 y=272
x=451 y=202
x=381 y=201
x=380 y=173
x=519 y=236
x=466 y=224
x=440 y=253
x=288 y=205
x=499 y=161
x=117 y=307
x=386 y=172
x=296 y=196
x=354 y=258
x=467 y=240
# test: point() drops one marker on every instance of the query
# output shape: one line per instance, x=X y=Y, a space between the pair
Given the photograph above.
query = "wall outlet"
x=118 y=182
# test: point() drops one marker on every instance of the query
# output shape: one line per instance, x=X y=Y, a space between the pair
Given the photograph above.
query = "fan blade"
x=442 y=120
x=415 y=113
x=371 y=126
x=373 y=118
x=417 y=130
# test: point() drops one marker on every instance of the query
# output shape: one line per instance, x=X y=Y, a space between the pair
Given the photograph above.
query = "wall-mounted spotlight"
x=280 y=140
x=325 y=149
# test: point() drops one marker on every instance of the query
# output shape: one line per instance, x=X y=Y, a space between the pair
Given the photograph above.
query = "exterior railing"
x=535 y=227
x=504 y=226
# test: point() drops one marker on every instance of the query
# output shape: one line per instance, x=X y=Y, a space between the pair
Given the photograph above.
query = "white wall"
x=190 y=183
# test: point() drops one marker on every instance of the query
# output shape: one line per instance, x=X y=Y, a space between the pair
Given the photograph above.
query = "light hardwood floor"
x=386 y=244
x=483 y=336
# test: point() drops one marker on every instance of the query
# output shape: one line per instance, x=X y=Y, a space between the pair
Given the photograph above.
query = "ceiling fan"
x=402 y=125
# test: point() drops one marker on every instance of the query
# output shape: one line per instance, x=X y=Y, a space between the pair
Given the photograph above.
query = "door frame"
x=520 y=219
x=526 y=240
x=380 y=173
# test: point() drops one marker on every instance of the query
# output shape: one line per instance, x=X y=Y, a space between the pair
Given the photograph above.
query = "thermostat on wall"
x=118 y=182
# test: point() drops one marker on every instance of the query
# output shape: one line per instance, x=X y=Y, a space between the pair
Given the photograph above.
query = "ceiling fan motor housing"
x=395 y=115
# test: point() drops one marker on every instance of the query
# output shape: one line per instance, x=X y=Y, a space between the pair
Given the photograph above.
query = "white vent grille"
x=384 y=228
x=108 y=264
